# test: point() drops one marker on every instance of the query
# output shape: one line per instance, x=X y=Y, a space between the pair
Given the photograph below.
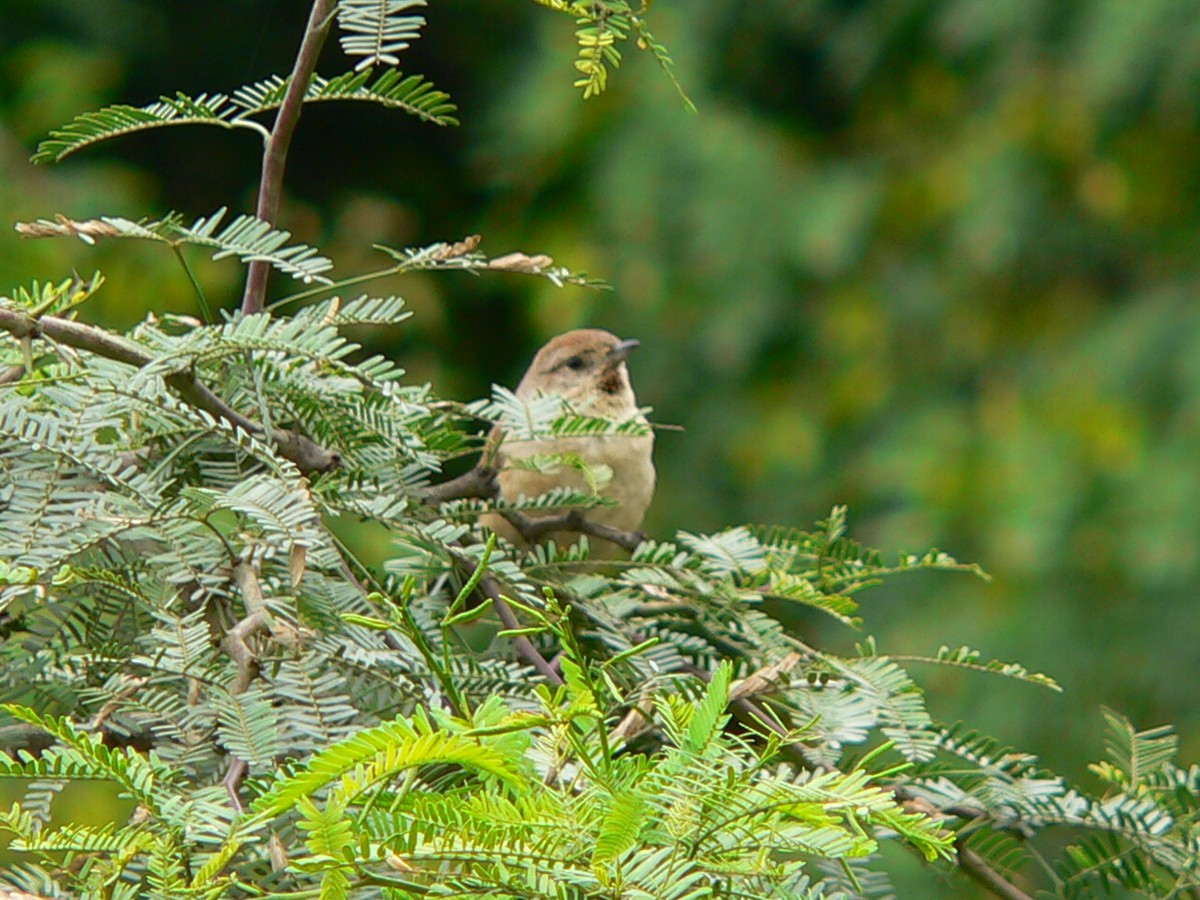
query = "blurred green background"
x=935 y=259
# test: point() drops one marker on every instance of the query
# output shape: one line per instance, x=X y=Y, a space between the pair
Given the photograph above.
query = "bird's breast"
x=627 y=456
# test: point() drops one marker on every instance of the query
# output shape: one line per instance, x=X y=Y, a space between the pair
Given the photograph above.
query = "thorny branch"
x=479 y=482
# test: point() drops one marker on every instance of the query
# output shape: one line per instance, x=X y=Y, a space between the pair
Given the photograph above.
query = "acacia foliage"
x=182 y=619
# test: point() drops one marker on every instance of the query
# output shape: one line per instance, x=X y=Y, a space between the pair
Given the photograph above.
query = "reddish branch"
x=275 y=152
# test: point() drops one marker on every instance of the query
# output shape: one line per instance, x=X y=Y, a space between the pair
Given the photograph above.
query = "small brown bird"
x=587 y=369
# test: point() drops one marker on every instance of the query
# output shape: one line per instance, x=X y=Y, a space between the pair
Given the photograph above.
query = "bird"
x=587 y=369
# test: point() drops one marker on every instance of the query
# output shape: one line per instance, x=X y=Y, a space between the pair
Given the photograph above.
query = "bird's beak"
x=620 y=352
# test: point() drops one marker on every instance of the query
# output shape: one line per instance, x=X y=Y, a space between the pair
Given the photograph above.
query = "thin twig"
x=966 y=812
x=524 y=646
x=12 y=374
x=308 y=456
x=636 y=722
x=7 y=893
x=270 y=187
x=23 y=737
x=480 y=482
x=237 y=645
x=238 y=769
x=977 y=870
x=389 y=640
x=766 y=678
x=135 y=685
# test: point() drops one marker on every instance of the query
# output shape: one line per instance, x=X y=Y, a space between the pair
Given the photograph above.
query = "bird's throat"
x=611 y=382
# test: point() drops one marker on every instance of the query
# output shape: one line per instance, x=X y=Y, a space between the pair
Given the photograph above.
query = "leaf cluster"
x=182 y=618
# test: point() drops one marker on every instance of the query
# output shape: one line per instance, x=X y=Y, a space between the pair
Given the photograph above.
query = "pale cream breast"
x=629 y=457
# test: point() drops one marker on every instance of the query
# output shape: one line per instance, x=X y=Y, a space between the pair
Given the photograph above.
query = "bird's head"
x=587 y=368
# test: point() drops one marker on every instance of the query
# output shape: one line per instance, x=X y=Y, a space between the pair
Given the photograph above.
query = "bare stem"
x=12 y=374
x=534 y=528
x=980 y=872
x=270 y=187
x=237 y=645
x=524 y=646
x=480 y=482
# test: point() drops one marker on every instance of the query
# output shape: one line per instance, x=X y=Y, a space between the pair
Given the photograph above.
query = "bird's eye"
x=575 y=363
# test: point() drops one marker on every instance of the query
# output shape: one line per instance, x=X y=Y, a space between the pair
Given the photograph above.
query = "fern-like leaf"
x=411 y=94
x=252 y=240
x=1138 y=755
x=113 y=121
x=966 y=658
x=377 y=30
x=390 y=747
x=246 y=237
x=709 y=716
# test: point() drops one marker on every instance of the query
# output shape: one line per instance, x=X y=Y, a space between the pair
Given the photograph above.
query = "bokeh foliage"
x=931 y=258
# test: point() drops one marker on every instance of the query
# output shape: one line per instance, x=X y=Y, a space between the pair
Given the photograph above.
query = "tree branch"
x=479 y=483
x=638 y=720
x=533 y=528
x=765 y=678
x=308 y=456
x=270 y=187
x=7 y=893
x=106 y=711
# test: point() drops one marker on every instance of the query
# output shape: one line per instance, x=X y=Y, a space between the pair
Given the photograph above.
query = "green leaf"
x=621 y=826
x=113 y=121
x=389 y=748
x=378 y=31
x=709 y=716
x=1138 y=754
